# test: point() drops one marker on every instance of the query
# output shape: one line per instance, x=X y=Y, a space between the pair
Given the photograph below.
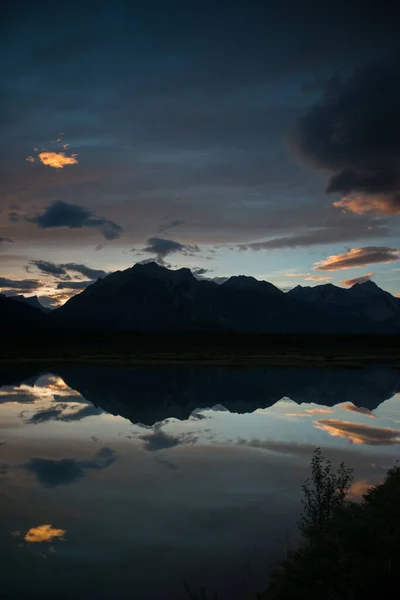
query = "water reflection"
x=186 y=474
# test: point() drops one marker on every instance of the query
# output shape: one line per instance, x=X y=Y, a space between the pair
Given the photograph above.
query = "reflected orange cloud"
x=359 y=409
x=295 y=415
x=358 y=433
x=359 y=488
x=315 y=411
x=57 y=160
x=44 y=533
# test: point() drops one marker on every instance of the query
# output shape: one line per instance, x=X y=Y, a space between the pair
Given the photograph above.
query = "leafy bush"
x=323 y=493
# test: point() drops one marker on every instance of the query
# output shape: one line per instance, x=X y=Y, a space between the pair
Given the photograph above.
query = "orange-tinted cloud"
x=359 y=409
x=316 y=411
x=44 y=533
x=359 y=433
x=358 y=257
x=359 y=488
x=57 y=160
x=363 y=204
x=361 y=279
x=309 y=276
x=317 y=278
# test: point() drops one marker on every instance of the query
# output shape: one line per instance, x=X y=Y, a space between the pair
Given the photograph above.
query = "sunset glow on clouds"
x=55 y=159
x=360 y=279
x=358 y=257
x=43 y=533
x=250 y=164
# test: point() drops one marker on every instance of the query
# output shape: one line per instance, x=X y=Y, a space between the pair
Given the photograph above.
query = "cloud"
x=74 y=285
x=352 y=132
x=84 y=270
x=308 y=276
x=317 y=278
x=43 y=533
x=13 y=216
x=57 y=160
x=358 y=433
x=358 y=257
x=156 y=439
x=48 y=268
x=57 y=413
x=162 y=248
x=359 y=409
x=74 y=216
x=61 y=270
x=4 y=240
x=321 y=236
x=360 y=279
x=200 y=272
x=22 y=285
x=52 y=473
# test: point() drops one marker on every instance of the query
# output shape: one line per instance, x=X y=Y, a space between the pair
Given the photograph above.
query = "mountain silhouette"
x=32 y=301
x=150 y=297
x=17 y=316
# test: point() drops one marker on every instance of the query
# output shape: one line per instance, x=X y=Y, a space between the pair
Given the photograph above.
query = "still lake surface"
x=122 y=482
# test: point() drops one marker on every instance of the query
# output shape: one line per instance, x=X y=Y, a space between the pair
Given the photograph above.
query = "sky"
x=258 y=138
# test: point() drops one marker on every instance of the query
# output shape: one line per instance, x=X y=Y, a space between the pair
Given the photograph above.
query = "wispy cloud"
x=359 y=433
x=360 y=279
x=358 y=257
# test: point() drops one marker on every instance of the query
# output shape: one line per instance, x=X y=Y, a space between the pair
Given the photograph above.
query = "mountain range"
x=150 y=297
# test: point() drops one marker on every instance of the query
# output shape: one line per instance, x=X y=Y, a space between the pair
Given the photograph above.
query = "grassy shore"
x=234 y=350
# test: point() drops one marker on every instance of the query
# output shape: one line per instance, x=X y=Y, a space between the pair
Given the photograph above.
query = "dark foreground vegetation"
x=197 y=348
x=350 y=550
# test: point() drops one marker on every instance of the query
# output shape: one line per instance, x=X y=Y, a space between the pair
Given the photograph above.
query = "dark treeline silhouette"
x=350 y=550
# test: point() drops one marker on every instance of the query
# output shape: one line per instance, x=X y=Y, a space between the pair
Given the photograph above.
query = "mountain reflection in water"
x=118 y=480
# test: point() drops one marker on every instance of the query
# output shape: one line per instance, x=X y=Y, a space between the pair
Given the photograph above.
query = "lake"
x=122 y=482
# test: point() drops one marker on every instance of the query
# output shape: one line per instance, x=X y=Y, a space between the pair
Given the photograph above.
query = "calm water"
x=124 y=483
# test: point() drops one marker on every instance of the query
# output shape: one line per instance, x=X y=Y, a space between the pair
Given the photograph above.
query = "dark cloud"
x=156 y=439
x=359 y=433
x=74 y=216
x=353 y=132
x=170 y=224
x=61 y=270
x=52 y=473
x=4 y=468
x=4 y=240
x=22 y=285
x=84 y=270
x=13 y=217
x=57 y=413
x=74 y=285
x=200 y=272
x=360 y=279
x=358 y=257
x=48 y=268
x=162 y=248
